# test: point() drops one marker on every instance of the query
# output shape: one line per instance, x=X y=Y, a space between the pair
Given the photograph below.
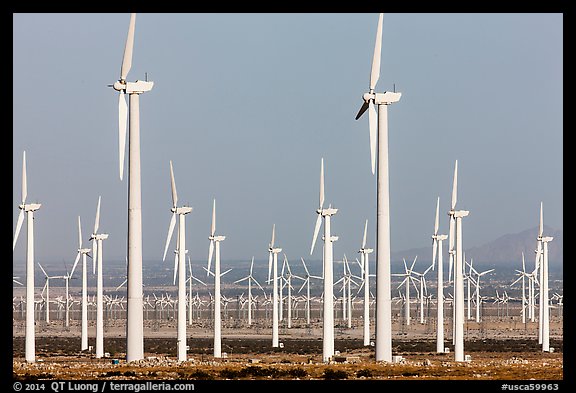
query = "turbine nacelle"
x=100 y=236
x=133 y=87
x=327 y=212
x=275 y=250
x=440 y=237
x=366 y=250
x=217 y=238
x=30 y=207
x=461 y=213
x=181 y=210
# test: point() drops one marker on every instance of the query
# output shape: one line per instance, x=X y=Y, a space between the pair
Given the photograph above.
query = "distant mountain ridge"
x=504 y=251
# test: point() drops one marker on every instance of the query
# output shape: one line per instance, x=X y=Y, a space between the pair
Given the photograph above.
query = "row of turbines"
x=378 y=127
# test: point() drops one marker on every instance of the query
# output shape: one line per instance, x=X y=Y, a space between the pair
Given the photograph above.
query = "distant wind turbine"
x=328 y=304
x=97 y=252
x=215 y=244
x=378 y=122
x=250 y=279
x=364 y=265
x=82 y=252
x=181 y=267
x=29 y=208
x=437 y=250
x=273 y=267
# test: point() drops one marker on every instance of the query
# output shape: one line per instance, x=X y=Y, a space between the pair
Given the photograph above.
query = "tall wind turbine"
x=328 y=304
x=544 y=323
x=250 y=279
x=364 y=253
x=215 y=244
x=451 y=242
x=456 y=237
x=273 y=266
x=97 y=258
x=135 y=304
x=437 y=250
x=47 y=290
x=378 y=122
x=181 y=268
x=29 y=208
x=82 y=252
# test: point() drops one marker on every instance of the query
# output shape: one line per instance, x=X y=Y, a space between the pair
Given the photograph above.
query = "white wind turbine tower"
x=544 y=303
x=423 y=290
x=307 y=283
x=451 y=244
x=437 y=250
x=82 y=252
x=522 y=277
x=288 y=280
x=456 y=217
x=250 y=279
x=364 y=253
x=215 y=244
x=273 y=266
x=328 y=304
x=135 y=303
x=47 y=290
x=407 y=280
x=378 y=122
x=29 y=208
x=181 y=267
x=190 y=299
x=478 y=287
x=97 y=260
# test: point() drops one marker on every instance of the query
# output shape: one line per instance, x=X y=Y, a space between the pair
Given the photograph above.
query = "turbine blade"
x=213 y=225
x=436 y=222
x=94 y=255
x=173 y=185
x=305 y=268
x=364 y=238
x=321 y=183
x=273 y=234
x=251 y=266
x=541 y=226
x=375 y=72
x=269 y=265
x=43 y=271
x=127 y=58
x=122 y=124
x=434 y=251
x=170 y=230
x=454 y=185
x=175 y=266
x=362 y=110
x=316 y=230
x=75 y=263
x=18 y=227
x=24 y=181
x=210 y=253
x=373 y=123
x=79 y=233
x=97 y=220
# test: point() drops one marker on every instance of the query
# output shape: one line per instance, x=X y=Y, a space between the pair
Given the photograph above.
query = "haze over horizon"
x=246 y=105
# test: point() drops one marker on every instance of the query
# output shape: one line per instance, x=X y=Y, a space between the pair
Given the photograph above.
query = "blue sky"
x=246 y=105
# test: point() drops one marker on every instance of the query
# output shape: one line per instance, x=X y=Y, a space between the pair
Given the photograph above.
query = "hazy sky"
x=246 y=105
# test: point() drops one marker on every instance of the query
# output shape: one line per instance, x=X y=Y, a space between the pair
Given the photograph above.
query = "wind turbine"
x=97 y=259
x=307 y=284
x=47 y=290
x=273 y=263
x=250 y=279
x=288 y=280
x=135 y=317
x=328 y=304
x=364 y=265
x=437 y=250
x=451 y=244
x=545 y=303
x=457 y=216
x=522 y=275
x=82 y=252
x=181 y=267
x=378 y=122
x=423 y=290
x=29 y=208
x=215 y=243
x=407 y=280
x=190 y=299
x=478 y=287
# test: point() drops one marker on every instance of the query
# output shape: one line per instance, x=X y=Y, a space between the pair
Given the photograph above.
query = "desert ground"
x=499 y=347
